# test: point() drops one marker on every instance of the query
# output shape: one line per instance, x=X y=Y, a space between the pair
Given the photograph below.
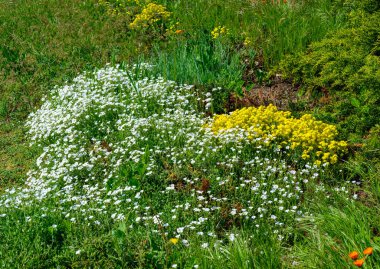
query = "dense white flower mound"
x=135 y=150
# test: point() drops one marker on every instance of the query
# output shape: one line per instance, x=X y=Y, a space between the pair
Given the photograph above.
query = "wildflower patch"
x=269 y=126
x=121 y=148
x=151 y=15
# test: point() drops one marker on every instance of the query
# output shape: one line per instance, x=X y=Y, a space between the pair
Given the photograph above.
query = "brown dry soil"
x=280 y=93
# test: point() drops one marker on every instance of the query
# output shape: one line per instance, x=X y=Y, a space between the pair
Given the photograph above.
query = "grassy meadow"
x=144 y=134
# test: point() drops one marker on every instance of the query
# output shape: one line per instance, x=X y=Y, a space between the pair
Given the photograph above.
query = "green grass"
x=46 y=43
x=16 y=156
x=339 y=227
x=49 y=42
x=44 y=46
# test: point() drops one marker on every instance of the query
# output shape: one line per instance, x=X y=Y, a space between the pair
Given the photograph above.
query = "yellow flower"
x=219 y=31
x=247 y=42
x=150 y=15
x=315 y=139
x=334 y=159
x=174 y=240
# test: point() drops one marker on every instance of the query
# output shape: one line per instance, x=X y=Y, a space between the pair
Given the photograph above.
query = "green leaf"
x=355 y=102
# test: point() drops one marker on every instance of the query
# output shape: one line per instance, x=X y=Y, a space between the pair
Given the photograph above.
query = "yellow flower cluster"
x=312 y=138
x=219 y=31
x=150 y=15
x=247 y=42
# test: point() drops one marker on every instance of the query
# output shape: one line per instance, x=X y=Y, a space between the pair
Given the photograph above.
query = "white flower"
x=204 y=245
x=91 y=129
x=231 y=237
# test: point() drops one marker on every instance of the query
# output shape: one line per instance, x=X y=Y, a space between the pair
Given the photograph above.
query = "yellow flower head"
x=174 y=240
x=247 y=42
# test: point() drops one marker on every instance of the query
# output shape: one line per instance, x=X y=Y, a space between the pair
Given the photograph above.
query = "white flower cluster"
x=113 y=146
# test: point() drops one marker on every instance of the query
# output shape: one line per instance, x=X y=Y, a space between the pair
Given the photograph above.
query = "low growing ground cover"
x=125 y=156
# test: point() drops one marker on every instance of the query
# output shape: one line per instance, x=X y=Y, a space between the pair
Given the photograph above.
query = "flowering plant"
x=151 y=16
x=219 y=31
x=269 y=126
x=359 y=262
